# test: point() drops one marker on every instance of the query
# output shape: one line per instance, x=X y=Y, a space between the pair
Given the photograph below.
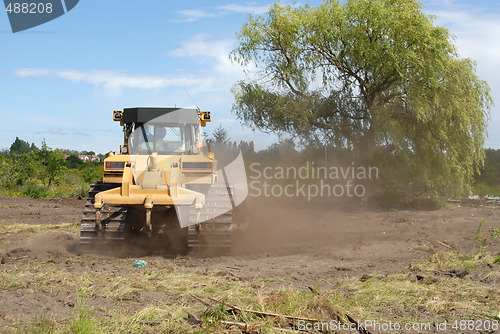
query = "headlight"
x=117 y=115
x=196 y=150
x=124 y=150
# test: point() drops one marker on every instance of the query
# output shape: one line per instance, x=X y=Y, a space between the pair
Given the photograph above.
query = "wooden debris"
x=361 y=330
x=245 y=327
x=193 y=319
x=210 y=307
x=232 y=308
x=442 y=243
x=460 y=273
x=270 y=314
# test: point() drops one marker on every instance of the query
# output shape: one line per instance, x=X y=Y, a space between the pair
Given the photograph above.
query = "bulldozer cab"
x=166 y=131
x=166 y=139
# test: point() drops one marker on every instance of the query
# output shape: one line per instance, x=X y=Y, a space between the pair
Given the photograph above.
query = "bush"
x=34 y=190
x=90 y=174
x=482 y=189
x=390 y=200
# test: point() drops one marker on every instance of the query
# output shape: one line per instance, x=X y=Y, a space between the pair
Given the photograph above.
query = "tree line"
x=400 y=187
x=31 y=171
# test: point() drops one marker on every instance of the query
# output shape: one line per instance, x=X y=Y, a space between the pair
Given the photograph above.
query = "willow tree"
x=377 y=77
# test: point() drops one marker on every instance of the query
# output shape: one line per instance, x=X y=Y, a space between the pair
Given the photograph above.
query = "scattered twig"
x=193 y=318
x=361 y=330
x=238 y=309
x=125 y=299
x=442 y=243
x=203 y=302
x=245 y=327
x=270 y=314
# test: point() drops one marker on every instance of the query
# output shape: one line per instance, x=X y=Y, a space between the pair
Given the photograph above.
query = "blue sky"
x=61 y=80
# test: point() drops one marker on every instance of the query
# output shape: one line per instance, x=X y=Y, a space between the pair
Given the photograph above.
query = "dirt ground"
x=302 y=242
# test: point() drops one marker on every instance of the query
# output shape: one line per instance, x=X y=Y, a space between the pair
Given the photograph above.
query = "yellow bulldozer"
x=163 y=188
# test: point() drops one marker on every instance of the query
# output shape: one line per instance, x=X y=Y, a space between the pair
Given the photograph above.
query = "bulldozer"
x=163 y=188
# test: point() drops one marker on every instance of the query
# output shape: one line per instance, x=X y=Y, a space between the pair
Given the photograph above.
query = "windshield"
x=162 y=138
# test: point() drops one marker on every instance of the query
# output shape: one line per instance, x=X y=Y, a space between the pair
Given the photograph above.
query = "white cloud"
x=53 y=131
x=214 y=77
x=214 y=51
x=478 y=34
x=200 y=45
x=191 y=15
x=244 y=9
x=110 y=79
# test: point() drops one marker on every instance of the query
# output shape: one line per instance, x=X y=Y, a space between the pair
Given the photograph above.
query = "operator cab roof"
x=160 y=115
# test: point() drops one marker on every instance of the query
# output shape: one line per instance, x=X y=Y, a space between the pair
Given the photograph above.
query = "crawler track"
x=213 y=235
x=112 y=219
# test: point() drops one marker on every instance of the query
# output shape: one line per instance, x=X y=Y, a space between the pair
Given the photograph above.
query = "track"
x=213 y=235
x=112 y=219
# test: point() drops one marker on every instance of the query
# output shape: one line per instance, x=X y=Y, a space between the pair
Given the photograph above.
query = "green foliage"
x=52 y=164
x=44 y=172
x=225 y=150
x=220 y=135
x=495 y=233
x=372 y=76
x=284 y=151
x=90 y=174
x=84 y=323
x=393 y=200
x=478 y=239
x=87 y=152
x=39 y=325
x=488 y=181
x=20 y=146
x=34 y=190
x=73 y=162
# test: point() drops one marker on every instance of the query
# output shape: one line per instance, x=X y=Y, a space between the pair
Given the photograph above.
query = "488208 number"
x=29 y=8
x=475 y=325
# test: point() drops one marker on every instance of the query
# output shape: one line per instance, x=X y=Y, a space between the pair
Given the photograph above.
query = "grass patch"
x=106 y=298
x=40 y=325
x=11 y=282
x=35 y=228
x=495 y=233
x=84 y=322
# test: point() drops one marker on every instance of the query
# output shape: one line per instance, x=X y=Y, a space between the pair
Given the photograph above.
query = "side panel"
x=113 y=168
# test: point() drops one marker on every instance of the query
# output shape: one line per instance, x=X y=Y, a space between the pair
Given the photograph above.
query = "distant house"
x=85 y=157
x=88 y=157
